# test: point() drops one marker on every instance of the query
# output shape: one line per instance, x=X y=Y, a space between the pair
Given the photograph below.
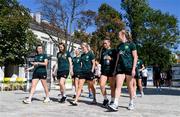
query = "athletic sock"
x=112 y=99
x=131 y=101
x=105 y=97
x=116 y=101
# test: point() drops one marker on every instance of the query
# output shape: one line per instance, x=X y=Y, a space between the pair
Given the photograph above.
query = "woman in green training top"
x=107 y=61
x=40 y=73
x=125 y=67
x=77 y=65
x=64 y=68
x=88 y=65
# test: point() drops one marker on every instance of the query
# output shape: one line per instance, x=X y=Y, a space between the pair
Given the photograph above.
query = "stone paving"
x=165 y=103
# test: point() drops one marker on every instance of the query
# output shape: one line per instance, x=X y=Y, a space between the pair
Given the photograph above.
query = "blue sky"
x=171 y=6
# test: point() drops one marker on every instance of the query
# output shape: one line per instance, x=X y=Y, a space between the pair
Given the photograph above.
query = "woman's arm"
x=93 y=65
x=30 y=68
x=70 y=65
x=135 y=58
x=142 y=67
x=45 y=63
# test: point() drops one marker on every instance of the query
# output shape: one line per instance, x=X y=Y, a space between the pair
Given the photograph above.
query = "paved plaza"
x=154 y=104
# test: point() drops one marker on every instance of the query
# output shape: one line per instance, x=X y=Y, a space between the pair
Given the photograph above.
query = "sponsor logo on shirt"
x=121 y=52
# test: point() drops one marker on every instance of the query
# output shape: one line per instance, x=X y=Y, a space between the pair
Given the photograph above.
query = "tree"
x=151 y=30
x=86 y=20
x=108 y=22
x=62 y=14
x=16 y=38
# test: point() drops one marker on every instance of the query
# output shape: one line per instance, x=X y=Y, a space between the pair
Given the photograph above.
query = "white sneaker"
x=113 y=107
x=27 y=101
x=142 y=94
x=47 y=100
x=131 y=106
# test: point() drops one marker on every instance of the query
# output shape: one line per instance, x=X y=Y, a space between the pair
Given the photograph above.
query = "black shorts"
x=63 y=74
x=42 y=75
x=87 y=76
x=108 y=73
x=138 y=74
x=76 y=75
x=124 y=71
x=157 y=78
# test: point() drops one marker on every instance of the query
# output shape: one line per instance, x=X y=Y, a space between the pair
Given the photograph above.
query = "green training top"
x=40 y=68
x=63 y=61
x=139 y=64
x=105 y=63
x=76 y=64
x=125 y=55
x=86 y=59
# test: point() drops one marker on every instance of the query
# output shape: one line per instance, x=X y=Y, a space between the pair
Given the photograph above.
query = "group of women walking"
x=116 y=66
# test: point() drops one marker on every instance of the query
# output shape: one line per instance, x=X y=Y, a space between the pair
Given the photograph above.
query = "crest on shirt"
x=126 y=47
x=40 y=58
x=87 y=58
x=64 y=56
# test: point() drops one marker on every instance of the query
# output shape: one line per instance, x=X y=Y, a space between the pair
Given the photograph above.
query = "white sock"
x=29 y=98
x=105 y=97
x=64 y=95
x=116 y=101
x=112 y=99
x=131 y=101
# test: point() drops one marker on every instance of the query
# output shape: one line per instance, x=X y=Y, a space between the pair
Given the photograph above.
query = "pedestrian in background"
x=144 y=76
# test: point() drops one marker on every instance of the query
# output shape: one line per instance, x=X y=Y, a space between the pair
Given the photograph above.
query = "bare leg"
x=140 y=85
x=33 y=87
x=44 y=83
x=134 y=87
x=130 y=81
x=112 y=86
x=119 y=82
x=91 y=85
x=103 y=80
x=80 y=86
x=76 y=84
x=62 y=86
